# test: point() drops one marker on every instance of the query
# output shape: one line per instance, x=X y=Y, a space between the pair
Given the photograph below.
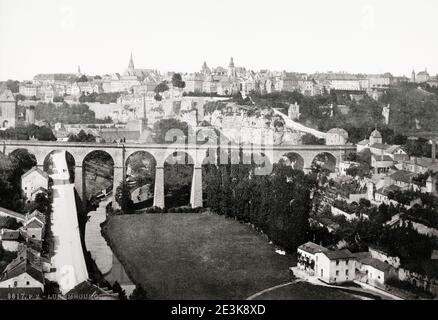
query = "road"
x=68 y=258
x=298 y=126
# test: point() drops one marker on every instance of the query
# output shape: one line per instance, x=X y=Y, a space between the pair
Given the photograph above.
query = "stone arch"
x=325 y=160
x=178 y=169
x=295 y=160
x=170 y=151
x=71 y=164
x=100 y=174
x=143 y=183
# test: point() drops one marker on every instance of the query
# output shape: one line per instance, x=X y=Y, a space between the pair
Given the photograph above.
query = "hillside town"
x=204 y=151
x=388 y=181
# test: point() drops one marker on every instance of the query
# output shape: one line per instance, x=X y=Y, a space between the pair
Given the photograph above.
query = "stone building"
x=8 y=110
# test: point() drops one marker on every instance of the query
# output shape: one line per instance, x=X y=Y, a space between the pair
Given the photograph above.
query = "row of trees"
x=82 y=137
x=104 y=97
x=277 y=204
x=42 y=133
x=65 y=113
x=12 y=167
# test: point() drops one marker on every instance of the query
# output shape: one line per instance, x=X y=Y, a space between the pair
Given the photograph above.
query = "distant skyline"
x=363 y=36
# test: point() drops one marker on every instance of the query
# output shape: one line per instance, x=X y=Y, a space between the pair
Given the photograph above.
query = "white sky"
x=373 y=36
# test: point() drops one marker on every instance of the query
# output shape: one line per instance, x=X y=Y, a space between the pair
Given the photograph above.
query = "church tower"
x=231 y=68
x=413 y=76
x=131 y=64
x=205 y=70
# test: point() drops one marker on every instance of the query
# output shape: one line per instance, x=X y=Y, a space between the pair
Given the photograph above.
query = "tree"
x=58 y=99
x=13 y=85
x=123 y=198
x=158 y=97
x=310 y=139
x=19 y=97
x=161 y=87
x=41 y=202
x=45 y=134
x=82 y=78
x=138 y=294
x=162 y=127
x=82 y=137
x=177 y=81
x=117 y=288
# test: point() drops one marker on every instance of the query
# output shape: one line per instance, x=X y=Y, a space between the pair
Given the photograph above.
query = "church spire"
x=131 y=63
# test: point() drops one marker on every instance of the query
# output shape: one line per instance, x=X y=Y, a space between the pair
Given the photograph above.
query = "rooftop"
x=312 y=247
x=402 y=175
x=382 y=158
x=382 y=146
x=386 y=190
x=375 y=263
x=338 y=254
x=44 y=174
x=28 y=262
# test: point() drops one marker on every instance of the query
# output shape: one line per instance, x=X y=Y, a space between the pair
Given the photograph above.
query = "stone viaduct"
x=198 y=155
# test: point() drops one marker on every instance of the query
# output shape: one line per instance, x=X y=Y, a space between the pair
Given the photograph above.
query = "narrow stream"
x=101 y=253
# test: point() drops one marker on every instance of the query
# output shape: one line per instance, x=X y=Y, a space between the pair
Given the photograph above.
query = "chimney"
x=433 y=155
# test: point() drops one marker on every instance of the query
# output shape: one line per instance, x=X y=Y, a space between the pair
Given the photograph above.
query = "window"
x=27 y=283
x=15 y=284
x=322 y=273
x=346 y=272
x=337 y=272
x=337 y=262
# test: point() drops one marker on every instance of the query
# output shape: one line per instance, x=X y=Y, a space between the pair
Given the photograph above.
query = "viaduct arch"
x=160 y=152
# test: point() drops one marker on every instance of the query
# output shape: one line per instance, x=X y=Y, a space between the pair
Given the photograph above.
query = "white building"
x=335 y=266
x=336 y=136
x=373 y=271
x=32 y=181
x=34 y=225
x=306 y=254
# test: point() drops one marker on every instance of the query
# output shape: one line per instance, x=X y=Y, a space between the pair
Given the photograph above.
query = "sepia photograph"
x=218 y=155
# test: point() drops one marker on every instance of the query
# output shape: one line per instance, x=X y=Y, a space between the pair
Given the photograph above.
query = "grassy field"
x=305 y=291
x=197 y=256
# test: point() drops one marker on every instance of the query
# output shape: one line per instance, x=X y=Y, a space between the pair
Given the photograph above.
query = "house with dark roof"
x=381 y=163
x=335 y=266
x=25 y=271
x=33 y=228
x=403 y=179
x=19 y=217
x=10 y=239
x=306 y=256
x=373 y=271
x=420 y=165
x=382 y=194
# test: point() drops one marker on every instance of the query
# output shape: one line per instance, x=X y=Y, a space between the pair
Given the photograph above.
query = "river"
x=101 y=253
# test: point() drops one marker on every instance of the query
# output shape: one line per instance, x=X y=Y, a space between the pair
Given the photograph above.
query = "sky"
x=369 y=36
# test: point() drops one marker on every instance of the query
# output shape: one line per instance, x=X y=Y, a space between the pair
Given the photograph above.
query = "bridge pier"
x=117 y=179
x=159 y=187
x=196 y=191
x=80 y=185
